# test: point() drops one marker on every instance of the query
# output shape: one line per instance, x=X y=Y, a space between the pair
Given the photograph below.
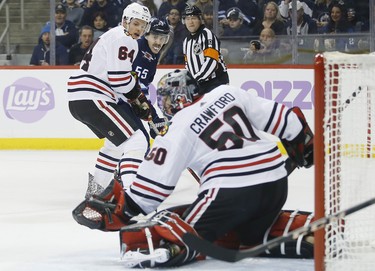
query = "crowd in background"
x=79 y=22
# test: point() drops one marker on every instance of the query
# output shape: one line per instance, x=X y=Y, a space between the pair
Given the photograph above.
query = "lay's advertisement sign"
x=35 y=113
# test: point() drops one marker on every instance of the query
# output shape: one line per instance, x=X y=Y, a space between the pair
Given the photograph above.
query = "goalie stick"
x=229 y=255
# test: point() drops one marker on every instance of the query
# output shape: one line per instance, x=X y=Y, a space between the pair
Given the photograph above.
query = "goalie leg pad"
x=288 y=221
x=156 y=242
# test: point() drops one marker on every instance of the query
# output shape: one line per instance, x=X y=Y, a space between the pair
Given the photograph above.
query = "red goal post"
x=344 y=159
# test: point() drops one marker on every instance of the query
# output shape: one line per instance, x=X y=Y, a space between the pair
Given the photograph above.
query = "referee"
x=201 y=50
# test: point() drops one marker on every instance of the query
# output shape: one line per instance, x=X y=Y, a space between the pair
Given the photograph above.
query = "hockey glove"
x=138 y=101
x=106 y=211
x=300 y=149
x=158 y=126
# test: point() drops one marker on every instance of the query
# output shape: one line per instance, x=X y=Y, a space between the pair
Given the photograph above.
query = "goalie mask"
x=176 y=90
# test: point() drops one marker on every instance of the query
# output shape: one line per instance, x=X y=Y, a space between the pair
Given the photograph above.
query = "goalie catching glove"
x=300 y=149
x=108 y=211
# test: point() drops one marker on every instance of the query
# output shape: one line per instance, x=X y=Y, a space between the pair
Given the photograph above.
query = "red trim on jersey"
x=91 y=83
x=263 y=161
x=128 y=166
x=113 y=115
x=201 y=206
x=105 y=162
x=119 y=79
x=150 y=189
x=278 y=120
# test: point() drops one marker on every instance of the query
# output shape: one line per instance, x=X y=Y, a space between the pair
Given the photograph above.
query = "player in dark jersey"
x=150 y=47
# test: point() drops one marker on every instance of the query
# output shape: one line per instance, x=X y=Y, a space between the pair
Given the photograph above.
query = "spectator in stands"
x=87 y=3
x=338 y=23
x=150 y=5
x=264 y=50
x=362 y=12
x=249 y=10
x=305 y=24
x=81 y=3
x=74 y=12
x=65 y=30
x=41 y=52
x=203 y=3
x=174 y=54
x=236 y=26
x=321 y=12
x=355 y=21
x=286 y=4
x=271 y=19
x=108 y=8
x=167 y=5
x=208 y=19
x=76 y=53
x=99 y=23
x=208 y=16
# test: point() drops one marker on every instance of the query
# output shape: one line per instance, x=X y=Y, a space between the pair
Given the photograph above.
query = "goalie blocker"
x=158 y=241
x=300 y=149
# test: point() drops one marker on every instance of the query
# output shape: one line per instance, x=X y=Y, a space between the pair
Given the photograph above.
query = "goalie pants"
x=249 y=211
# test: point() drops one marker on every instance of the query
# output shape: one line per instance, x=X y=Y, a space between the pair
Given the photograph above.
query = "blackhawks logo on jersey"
x=197 y=49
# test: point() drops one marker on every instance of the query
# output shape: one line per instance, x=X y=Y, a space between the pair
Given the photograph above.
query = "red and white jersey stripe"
x=222 y=138
x=105 y=71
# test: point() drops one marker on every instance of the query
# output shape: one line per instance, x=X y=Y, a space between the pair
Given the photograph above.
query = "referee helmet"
x=191 y=11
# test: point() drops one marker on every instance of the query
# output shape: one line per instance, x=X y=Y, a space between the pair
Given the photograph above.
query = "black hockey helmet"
x=176 y=90
x=159 y=27
x=191 y=11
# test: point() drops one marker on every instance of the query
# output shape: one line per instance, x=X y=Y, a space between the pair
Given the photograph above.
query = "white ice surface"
x=38 y=191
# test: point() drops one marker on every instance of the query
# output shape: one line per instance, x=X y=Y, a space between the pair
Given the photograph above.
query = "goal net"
x=345 y=159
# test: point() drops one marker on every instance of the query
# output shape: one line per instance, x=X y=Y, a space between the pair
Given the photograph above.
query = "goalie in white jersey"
x=94 y=91
x=243 y=178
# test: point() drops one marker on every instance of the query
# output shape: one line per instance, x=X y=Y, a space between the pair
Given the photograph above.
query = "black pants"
x=249 y=211
x=87 y=112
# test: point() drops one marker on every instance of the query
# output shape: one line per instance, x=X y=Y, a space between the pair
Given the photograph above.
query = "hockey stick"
x=209 y=249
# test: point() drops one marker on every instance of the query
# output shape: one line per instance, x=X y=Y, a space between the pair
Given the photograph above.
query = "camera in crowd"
x=256 y=43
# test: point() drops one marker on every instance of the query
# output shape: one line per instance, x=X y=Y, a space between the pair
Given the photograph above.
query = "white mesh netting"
x=349 y=139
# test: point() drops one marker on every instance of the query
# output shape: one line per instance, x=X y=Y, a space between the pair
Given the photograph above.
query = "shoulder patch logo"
x=197 y=49
x=148 y=56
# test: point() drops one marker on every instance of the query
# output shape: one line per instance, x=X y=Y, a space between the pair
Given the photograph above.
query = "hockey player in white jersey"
x=243 y=179
x=105 y=76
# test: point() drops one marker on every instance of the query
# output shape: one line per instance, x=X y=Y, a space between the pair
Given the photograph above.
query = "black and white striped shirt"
x=203 y=58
